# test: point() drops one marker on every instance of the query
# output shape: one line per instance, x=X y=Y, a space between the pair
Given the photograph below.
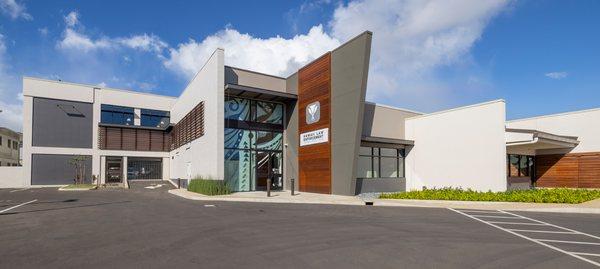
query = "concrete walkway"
x=591 y=207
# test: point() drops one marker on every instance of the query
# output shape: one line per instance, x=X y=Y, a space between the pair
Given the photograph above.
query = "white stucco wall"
x=12 y=177
x=584 y=124
x=460 y=148
x=203 y=156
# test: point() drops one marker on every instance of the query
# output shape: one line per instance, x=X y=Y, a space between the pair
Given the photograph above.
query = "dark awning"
x=257 y=93
x=386 y=142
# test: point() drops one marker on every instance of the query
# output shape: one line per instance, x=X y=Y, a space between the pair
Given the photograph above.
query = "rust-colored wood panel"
x=129 y=139
x=113 y=138
x=143 y=140
x=314 y=161
x=156 y=140
x=575 y=170
x=589 y=171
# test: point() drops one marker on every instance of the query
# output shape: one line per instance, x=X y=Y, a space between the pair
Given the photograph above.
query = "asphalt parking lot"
x=149 y=228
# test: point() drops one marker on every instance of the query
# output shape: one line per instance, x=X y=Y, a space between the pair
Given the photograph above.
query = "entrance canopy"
x=531 y=140
x=257 y=93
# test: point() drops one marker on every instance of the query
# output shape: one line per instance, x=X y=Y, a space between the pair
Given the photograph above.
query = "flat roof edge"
x=457 y=108
x=557 y=114
x=393 y=107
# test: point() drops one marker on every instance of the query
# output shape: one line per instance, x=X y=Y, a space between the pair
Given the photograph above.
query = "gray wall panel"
x=58 y=123
x=291 y=136
x=49 y=169
x=349 y=72
x=366 y=185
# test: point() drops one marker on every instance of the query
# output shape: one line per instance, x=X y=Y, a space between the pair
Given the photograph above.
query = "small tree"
x=79 y=164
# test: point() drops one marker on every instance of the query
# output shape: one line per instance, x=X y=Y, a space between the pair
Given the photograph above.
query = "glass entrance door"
x=269 y=165
x=114 y=169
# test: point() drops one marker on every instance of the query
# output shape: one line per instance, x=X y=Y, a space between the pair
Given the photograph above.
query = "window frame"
x=377 y=157
x=121 y=110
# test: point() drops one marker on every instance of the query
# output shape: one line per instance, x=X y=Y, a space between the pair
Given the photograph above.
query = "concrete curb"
x=310 y=198
x=297 y=199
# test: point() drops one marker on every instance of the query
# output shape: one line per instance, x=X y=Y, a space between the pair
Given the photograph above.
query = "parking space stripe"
x=494 y=216
x=540 y=231
x=537 y=241
x=586 y=254
x=569 y=242
x=549 y=224
x=19 y=205
x=479 y=211
x=516 y=223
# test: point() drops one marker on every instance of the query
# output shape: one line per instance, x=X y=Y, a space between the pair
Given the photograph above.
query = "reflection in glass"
x=269 y=140
x=239 y=169
x=389 y=167
x=269 y=112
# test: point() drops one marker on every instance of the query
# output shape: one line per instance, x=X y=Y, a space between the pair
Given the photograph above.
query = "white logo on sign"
x=313 y=113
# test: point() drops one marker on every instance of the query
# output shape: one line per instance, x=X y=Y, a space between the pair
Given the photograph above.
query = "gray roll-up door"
x=47 y=169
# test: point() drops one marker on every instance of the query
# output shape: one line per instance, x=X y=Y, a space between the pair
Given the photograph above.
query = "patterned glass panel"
x=237 y=109
x=238 y=138
x=269 y=140
x=269 y=112
x=239 y=169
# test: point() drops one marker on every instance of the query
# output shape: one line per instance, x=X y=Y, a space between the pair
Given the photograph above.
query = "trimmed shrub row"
x=209 y=186
x=568 y=196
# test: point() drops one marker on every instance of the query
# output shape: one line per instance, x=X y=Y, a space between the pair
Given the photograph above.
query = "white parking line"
x=586 y=254
x=540 y=231
x=13 y=207
x=541 y=241
x=494 y=216
x=568 y=242
x=516 y=223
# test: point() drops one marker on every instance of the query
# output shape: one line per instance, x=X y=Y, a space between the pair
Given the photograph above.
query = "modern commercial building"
x=10 y=147
x=314 y=126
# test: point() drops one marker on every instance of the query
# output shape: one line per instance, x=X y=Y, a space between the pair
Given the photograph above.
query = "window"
x=0 y=140
x=247 y=110
x=116 y=115
x=9 y=143
x=520 y=165
x=380 y=163
x=155 y=118
x=15 y=145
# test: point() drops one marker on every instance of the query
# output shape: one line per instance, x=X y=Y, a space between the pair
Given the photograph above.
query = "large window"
x=380 y=163
x=155 y=118
x=520 y=165
x=253 y=111
x=116 y=115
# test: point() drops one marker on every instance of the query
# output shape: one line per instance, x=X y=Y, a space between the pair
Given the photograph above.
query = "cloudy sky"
x=540 y=56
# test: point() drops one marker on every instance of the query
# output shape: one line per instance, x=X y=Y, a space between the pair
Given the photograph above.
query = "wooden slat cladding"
x=131 y=139
x=189 y=128
x=314 y=161
x=577 y=170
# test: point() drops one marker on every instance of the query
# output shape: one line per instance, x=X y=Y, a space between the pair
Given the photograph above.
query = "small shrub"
x=209 y=186
x=568 y=196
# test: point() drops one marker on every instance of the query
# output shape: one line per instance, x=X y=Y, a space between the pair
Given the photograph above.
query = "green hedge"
x=209 y=186
x=569 y=196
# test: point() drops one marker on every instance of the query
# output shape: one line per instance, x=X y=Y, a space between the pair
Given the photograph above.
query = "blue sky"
x=540 y=56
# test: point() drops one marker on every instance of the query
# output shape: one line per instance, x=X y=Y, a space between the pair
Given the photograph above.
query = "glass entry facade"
x=253 y=144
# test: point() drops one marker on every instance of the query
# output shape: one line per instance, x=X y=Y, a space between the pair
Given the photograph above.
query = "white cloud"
x=14 y=10
x=556 y=75
x=143 y=42
x=72 y=19
x=275 y=55
x=413 y=38
x=43 y=31
x=74 y=39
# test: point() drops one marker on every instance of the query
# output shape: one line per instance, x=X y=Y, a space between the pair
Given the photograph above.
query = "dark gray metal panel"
x=291 y=136
x=49 y=169
x=366 y=185
x=59 y=123
x=349 y=72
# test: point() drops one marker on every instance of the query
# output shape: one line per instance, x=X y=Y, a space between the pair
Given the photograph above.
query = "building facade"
x=10 y=147
x=314 y=126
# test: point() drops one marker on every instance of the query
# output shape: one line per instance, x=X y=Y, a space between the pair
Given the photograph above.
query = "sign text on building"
x=314 y=137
